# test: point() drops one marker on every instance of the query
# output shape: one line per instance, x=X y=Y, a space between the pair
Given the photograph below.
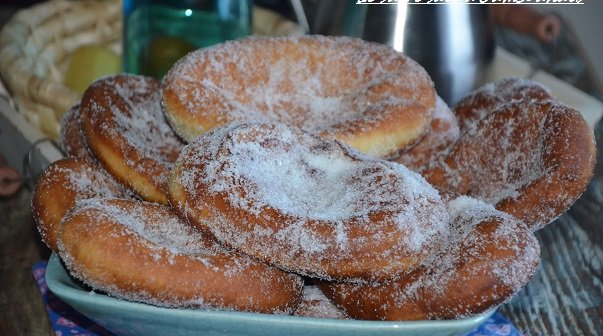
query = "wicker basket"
x=34 y=51
x=36 y=43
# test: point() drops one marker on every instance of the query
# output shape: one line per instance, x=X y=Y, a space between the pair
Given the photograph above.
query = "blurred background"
x=49 y=60
x=585 y=19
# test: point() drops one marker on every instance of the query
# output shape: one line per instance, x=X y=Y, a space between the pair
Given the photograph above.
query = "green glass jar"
x=159 y=32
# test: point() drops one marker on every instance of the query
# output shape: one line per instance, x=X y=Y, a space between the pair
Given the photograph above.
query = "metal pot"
x=453 y=42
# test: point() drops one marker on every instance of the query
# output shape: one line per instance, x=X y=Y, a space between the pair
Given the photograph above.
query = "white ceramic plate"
x=132 y=318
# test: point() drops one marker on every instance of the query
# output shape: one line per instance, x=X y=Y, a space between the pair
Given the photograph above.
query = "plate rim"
x=62 y=285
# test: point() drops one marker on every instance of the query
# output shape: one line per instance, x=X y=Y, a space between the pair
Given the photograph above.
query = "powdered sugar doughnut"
x=365 y=94
x=125 y=129
x=532 y=160
x=443 y=133
x=489 y=257
x=62 y=186
x=307 y=204
x=492 y=96
x=71 y=139
x=143 y=252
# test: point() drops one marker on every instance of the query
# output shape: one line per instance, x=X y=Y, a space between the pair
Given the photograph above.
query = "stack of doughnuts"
x=314 y=176
x=100 y=210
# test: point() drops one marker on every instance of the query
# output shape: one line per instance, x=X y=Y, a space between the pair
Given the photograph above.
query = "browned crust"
x=568 y=156
x=469 y=286
x=403 y=123
x=442 y=134
x=364 y=241
x=126 y=163
x=98 y=250
x=54 y=195
x=361 y=264
x=490 y=97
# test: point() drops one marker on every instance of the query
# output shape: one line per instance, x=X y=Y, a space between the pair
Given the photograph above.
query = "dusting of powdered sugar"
x=153 y=256
x=317 y=179
x=126 y=109
x=490 y=97
x=496 y=160
x=71 y=139
x=142 y=118
x=92 y=183
x=64 y=185
x=519 y=154
x=309 y=82
x=309 y=179
x=315 y=304
x=506 y=253
x=488 y=257
x=157 y=225
x=83 y=179
x=443 y=134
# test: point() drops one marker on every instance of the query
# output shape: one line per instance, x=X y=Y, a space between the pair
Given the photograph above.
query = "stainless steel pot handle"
x=34 y=164
x=300 y=15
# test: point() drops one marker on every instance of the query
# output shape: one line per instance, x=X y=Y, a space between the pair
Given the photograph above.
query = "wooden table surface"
x=566 y=295
x=22 y=311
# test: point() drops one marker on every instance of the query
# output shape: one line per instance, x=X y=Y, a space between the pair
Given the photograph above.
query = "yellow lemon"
x=88 y=63
x=162 y=52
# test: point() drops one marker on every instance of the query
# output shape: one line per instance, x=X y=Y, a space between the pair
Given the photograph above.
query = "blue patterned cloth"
x=496 y=325
x=64 y=319
x=67 y=321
